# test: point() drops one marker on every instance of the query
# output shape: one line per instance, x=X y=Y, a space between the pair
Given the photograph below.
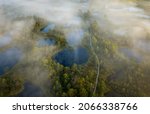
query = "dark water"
x=68 y=57
x=9 y=58
x=46 y=42
x=30 y=90
x=48 y=28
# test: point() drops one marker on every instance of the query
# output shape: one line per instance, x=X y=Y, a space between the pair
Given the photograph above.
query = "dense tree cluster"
x=118 y=75
x=10 y=86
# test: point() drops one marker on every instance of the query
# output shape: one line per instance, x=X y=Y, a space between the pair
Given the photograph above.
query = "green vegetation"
x=10 y=86
x=118 y=75
x=107 y=71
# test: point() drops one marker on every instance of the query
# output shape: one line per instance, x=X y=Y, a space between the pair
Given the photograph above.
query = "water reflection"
x=46 y=42
x=48 y=28
x=68 y=57
x=9 y=58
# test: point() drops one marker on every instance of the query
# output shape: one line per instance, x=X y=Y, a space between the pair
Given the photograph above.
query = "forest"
x=92 y=49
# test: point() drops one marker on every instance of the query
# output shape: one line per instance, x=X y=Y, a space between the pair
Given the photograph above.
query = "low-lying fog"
x=120 y=19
